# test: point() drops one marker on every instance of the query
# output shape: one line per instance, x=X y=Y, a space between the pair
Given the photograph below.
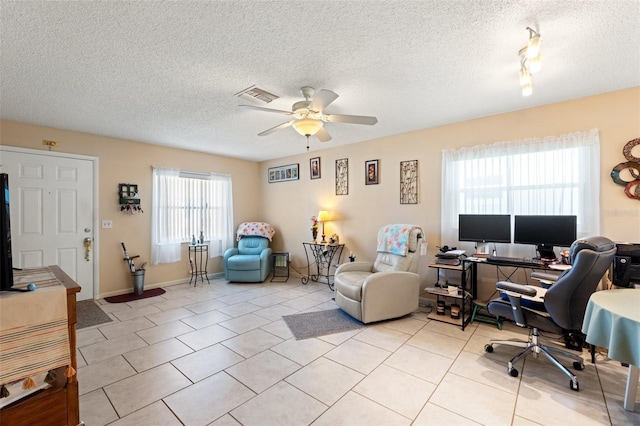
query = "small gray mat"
x=320 y=323
x=88 y=313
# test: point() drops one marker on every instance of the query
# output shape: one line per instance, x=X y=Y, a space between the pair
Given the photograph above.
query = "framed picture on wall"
x=314 y=167
x=371 y=172
x=283 y=173
x=342 y=176
x=409 y=182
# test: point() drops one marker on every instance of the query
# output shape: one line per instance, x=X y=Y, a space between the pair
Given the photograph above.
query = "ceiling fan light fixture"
x=307 y=126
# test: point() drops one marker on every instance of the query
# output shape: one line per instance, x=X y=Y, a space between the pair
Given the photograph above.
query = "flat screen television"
x=6 y=263
x=545 y=232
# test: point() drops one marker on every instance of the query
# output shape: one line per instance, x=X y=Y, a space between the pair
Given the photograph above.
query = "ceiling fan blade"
x=278 y=127
x=353 y=119
x=322 y=99
x=323 y=135
x=279 y=111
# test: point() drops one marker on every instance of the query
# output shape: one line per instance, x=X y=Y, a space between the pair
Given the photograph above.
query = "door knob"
x=87 y=247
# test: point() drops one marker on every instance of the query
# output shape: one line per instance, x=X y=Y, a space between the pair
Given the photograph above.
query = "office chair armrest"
x=515 y=292
x=517 y=289
x=546 y=279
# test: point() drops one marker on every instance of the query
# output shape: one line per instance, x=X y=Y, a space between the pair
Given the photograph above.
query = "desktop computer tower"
x=626 y=265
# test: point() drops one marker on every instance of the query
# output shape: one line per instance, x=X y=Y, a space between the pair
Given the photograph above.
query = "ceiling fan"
x=309 y=115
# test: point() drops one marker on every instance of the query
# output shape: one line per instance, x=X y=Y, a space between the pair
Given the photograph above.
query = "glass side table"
x=198 y=260
x=324 y=257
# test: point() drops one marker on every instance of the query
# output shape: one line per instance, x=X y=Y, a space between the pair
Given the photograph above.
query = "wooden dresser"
x=57 y=405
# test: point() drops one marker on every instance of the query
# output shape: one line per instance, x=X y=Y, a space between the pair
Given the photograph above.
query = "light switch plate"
x=107 y=224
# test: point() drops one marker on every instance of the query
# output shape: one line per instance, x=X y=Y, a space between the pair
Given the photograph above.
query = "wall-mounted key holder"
x=129 y=201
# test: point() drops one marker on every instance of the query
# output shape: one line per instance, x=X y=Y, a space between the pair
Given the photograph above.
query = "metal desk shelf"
x=463 y=295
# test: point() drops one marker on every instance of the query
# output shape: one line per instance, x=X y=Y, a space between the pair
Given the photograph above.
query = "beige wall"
x=289 y=205
x=123 y=161
x=358 y=215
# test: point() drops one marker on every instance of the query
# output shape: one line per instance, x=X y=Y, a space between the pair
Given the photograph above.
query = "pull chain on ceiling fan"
x=310 y=117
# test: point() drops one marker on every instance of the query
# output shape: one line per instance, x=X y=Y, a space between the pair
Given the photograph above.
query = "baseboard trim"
x=212 y=276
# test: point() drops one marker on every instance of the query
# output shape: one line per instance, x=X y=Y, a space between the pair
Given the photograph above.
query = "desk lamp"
x=323 y=216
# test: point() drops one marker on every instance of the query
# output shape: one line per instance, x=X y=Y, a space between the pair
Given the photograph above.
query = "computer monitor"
x=545 y=232
x=483 y=229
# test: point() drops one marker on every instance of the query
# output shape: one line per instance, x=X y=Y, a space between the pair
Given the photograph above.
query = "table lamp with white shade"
x=323 y=216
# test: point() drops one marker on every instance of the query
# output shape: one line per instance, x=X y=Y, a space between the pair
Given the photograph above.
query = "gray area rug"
x=314 y=324
x=88 y=313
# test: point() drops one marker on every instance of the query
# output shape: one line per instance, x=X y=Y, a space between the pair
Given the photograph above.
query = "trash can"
x=138 y=281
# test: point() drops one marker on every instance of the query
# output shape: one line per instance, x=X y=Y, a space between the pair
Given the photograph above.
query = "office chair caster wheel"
x=488 y=348
x=513 y=372
x=574 y=388
x=578 y=365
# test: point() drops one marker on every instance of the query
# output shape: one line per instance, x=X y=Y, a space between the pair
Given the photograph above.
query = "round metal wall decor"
x=632 y=186
x=632 y=189
x=626 y=151
x=634 y=170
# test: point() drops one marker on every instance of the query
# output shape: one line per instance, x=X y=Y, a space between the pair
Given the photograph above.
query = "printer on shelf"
x=626 y=265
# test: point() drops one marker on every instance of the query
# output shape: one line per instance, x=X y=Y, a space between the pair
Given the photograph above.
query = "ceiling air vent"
x=255 y=93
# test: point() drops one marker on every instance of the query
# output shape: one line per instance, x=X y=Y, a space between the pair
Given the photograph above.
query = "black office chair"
x=560 y=309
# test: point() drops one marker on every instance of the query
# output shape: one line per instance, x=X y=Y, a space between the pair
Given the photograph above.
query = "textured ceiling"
x=166 y=72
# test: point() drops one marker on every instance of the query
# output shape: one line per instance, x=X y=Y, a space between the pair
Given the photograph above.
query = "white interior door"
x=52 y=213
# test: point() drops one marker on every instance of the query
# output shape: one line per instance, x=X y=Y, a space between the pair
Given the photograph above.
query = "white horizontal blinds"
x=193 y=203
x=548 y=176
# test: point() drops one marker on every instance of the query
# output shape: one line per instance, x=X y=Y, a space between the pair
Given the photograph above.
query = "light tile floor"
x=220 y=354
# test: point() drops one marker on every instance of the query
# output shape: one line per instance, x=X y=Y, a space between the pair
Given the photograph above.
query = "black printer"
x=626 y=265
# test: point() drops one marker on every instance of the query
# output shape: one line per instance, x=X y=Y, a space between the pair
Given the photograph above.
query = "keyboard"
x=520 y=261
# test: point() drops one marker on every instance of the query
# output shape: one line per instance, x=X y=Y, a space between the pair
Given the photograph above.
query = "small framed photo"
x=371 y=172
x=283 y=173
x=314 y=167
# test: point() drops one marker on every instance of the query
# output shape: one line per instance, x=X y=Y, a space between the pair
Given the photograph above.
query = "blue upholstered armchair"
x=250 y=262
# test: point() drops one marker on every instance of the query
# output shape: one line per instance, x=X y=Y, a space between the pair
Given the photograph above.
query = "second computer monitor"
x=545 y=232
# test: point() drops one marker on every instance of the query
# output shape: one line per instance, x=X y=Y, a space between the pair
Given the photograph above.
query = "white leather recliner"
x=387 y=288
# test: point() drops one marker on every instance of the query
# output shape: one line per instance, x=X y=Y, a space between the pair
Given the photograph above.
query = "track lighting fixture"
x=533 y=47
x=530 y=62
